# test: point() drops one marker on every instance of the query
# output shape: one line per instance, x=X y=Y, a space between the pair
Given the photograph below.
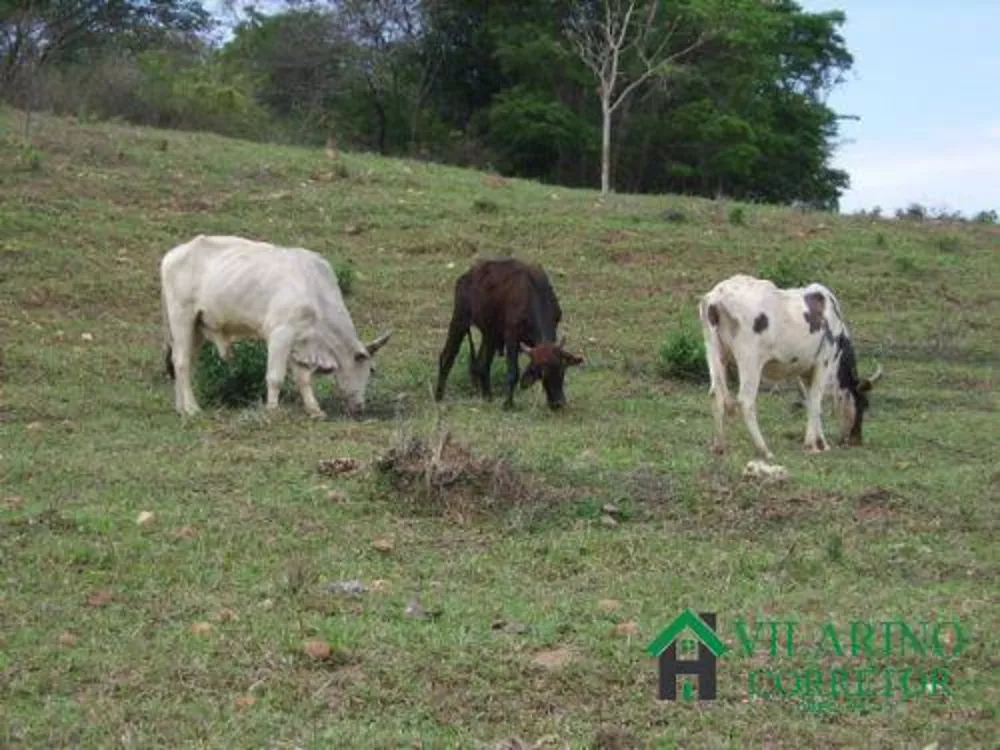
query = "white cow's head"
x=352 y=369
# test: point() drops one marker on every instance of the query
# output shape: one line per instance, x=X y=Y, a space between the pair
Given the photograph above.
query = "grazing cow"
x=515 y=309
x=779 y=334
x=225 y=289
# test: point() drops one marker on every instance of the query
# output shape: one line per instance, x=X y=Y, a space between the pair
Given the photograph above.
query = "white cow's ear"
x=310 y=354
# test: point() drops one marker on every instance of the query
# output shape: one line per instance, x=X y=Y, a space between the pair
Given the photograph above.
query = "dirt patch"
x=875 y=502
x=445 y=478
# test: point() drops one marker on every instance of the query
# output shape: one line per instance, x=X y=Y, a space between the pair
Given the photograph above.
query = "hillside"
x=188 y=628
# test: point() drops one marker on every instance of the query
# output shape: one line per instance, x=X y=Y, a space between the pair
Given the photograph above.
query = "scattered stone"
x=757 y=469
x=383 y=544
x=201 y=628
x=145 y=518
x=317 y=649
x=346 y=587
x=608 y=521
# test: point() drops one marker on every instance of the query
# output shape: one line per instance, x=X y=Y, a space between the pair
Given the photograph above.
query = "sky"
x=926 y=85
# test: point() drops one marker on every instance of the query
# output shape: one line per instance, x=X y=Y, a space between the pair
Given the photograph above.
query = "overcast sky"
x=926 y=85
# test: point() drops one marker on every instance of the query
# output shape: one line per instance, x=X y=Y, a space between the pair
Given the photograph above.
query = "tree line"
x=700 y=97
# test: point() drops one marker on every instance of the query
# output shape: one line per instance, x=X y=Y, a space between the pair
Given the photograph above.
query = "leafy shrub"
x=737 y=216
x=346 y=276
x=880 y=240
x=682 y=355
x=986 y=217
x=948 y=244
x=905 y=263
x=239 y=383
x=675 y=216
x=786 y=272
x=914 y=211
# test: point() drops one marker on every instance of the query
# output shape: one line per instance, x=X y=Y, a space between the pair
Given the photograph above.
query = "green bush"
x=682 y=355
x=239 y=383
x=787 y=272
x=346 y=276
x=737 y=216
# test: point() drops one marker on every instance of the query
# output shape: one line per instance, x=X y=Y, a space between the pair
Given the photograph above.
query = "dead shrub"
x=444 y=477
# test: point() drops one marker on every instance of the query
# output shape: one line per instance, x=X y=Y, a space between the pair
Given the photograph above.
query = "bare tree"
x=605 y=45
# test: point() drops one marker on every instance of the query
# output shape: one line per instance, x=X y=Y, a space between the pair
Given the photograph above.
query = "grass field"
x=212 y=624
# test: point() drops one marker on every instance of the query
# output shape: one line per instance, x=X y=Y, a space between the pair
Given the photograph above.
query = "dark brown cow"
x=515 y=308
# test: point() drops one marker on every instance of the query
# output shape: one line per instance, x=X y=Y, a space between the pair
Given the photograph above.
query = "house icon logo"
x=710 y=648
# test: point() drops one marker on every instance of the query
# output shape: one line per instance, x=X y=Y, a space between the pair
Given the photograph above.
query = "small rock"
x=552 y=659
x=383 y=544
x=66 y=638
x=200 y=628
x=244 y=701
x=629 y=627
x=757 y=469
x=87 y=336
x=346 y=587
x=608 y=521
x=99 y=598
x=317 y=649
x=611 y=509
x=184 y=532
x=608 y=605
x=145 y=518
x=380 y=585
x=225 y=615
x=336 y=496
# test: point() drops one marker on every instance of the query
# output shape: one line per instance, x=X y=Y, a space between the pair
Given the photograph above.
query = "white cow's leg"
x=303 y=379
x=749 y=385
x=279 y=346
x=815 y=440
x=185 y=344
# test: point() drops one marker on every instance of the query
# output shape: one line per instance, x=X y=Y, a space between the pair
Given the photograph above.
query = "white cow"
x=775 y=335
x=225 y=289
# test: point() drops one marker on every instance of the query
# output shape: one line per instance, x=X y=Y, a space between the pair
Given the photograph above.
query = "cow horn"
x=868 y=383
x=877 y=374
x=525 y=348
x=378 y=343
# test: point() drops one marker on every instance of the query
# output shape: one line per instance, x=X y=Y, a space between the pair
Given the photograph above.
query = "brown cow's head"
x=548 y=363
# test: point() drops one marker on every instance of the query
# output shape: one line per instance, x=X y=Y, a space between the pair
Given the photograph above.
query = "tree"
x=603 y=44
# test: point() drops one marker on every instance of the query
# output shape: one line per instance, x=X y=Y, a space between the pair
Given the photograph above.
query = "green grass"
x=97 y=610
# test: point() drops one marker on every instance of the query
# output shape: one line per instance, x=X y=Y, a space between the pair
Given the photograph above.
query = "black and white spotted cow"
x=775 y=335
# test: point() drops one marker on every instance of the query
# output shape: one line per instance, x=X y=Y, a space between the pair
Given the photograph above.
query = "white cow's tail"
x=168 y=359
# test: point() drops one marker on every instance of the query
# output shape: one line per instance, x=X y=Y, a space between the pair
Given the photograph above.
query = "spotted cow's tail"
x=711 y=314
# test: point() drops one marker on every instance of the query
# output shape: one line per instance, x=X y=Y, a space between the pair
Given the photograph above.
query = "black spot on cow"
x=760 y=323
x=713 y=315
x=815 y=306
x=848 y=380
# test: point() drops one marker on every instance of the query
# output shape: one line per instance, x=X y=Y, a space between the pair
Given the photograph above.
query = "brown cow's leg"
x=483 y=365
x=513 y=349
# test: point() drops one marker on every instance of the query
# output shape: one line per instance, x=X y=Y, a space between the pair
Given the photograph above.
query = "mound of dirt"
x=449 y=479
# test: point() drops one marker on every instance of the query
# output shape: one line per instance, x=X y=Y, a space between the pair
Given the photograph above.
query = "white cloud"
x=958 y=171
